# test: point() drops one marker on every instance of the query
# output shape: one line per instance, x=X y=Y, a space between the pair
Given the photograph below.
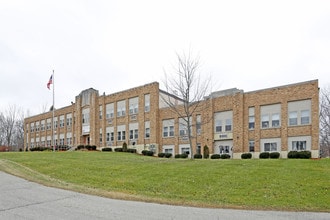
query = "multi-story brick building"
x=278 y=119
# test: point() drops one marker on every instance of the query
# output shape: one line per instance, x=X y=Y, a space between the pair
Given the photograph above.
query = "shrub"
x=80 y=147
x=107 y=149
x=161 y=154
x=274 y=155
x=184 y=155
x=225 y=156
x=215 y=156
x=168 y=155
x=133 y=151
x=198 y=156
x=144 y=152
x=93 y=147
x=124 y=147
x=206 y=152
x=300 y=154
x=177 y=156
x=246 y=156
x=264 y=155
x=119 y=149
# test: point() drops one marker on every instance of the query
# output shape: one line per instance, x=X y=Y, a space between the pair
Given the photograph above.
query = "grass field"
x=271 y=184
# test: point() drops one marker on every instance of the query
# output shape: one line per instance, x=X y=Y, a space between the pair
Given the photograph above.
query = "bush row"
x=184 y=155
x=299 y=155
x=88 y=147
x=218 y=156
x=40 y=148
x=167 y=155
x=246 y=156
x=266 y=155
x=148 y=153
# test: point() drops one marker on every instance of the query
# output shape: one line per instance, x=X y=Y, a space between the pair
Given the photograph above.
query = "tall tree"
x=188 y=90
x=325 y=122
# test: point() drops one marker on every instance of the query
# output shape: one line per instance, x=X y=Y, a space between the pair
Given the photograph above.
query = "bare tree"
x=325 y=122
x=189 y=90
x=11 y=127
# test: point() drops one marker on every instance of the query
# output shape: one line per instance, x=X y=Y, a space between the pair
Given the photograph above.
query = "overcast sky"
x=113 y=45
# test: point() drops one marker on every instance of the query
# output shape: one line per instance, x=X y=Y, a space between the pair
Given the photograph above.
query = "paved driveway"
x=21 y=199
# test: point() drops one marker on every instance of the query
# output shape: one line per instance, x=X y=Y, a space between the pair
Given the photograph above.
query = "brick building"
x=278 y=119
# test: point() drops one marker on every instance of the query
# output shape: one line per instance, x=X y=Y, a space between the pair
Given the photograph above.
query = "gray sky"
x=113 y=45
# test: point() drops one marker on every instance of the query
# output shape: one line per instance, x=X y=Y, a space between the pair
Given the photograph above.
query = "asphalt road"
x=21 y=199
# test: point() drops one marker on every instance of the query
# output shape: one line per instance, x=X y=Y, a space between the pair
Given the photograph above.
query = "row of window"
x=274 y=146
x=48 y=143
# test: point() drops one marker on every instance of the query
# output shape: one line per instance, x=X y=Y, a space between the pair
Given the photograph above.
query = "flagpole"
x=53 y=111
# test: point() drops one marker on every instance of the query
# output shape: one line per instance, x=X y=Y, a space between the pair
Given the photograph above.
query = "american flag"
x=50 y=81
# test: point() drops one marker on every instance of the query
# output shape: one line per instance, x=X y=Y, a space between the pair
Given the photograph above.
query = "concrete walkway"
x=21 y=199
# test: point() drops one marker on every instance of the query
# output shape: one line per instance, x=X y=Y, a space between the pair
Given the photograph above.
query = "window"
x=68 y=120
x=299 y=112
x=251 y=118
x=293 y=118
x=42 y=128
x=147 y=102
x=270 y=116
x=218 y=126
x=228 y=125
x=147 y=129
x=133 y=105
x=168 y=128
x=61 y=121
x=183 y=126
x=251 y=122
x=133 y=134
x=49 y=124
x=198 y=149
x=100 y=112
x=100 y=136
x=265 y=121
x=304 y=117
x=199 y=124
x=251 y=146
x=121 y=133
x=85 y=116
x=55 y=124
x=298 y=145
x=223 y=121
x=269 y=147
x=276 y=120
x=121 y=108
x=109 y=108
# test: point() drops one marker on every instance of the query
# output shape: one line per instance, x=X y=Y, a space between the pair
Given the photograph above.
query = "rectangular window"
x=165 y=132
x=147 y=129
x=100 y=112
x=147 y=102
x=298 y=145
x=276 y=120
x=133 y=105
x=121 y=108
x=218 y=126
x=251 y=146
x=251 y=118
x=304 y=117
x=265 y=121
x=109 y=110
x=270 y=147
x=293 y=118
x=168 y=128
x=199 y=124
x=228 y=125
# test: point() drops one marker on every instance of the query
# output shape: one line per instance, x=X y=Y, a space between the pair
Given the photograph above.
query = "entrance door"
x=223 y=147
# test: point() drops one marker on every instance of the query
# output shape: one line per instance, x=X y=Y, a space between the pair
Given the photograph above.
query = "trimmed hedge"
x=181 y=155
x=168 y=155
x=299 y=155
x=107 y=149
x=147 y=153
x=264 y=155
x=119 y=149
x=274 y=155
x=225 y=156
x=198 y=156
x=161 y=154
x=246 y=156
x=215 y=156
x=130 y=150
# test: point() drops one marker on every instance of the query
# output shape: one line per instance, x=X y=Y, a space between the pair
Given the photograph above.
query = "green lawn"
x=272 y=184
